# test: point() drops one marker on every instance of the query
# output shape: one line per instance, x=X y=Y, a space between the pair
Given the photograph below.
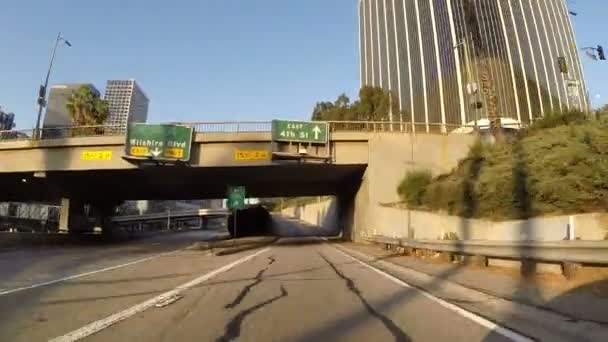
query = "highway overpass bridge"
x=79 y=166
x=361 y=158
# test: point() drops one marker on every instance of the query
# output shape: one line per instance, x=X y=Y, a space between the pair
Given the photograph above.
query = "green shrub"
x=552 y=120
x=413 y=187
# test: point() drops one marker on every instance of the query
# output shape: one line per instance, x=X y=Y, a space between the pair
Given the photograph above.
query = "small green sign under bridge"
x=236 y=197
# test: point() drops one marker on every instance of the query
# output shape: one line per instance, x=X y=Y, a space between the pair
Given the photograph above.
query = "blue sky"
x=209 y=60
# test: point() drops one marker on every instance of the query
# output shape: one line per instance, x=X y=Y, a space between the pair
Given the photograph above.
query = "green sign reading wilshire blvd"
x=300 y=131
x=159 y=142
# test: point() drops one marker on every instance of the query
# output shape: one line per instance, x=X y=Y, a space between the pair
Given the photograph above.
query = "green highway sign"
x=159 y=142
x=300 y=131
x=236 y=197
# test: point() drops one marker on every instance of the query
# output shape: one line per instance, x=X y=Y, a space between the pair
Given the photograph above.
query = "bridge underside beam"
x=168 y=183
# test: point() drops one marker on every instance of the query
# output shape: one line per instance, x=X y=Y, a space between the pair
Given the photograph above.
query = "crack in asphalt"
x=233 y=328
x=399 y=334
x=258 y=279
x=271 y=260
x=246 y=289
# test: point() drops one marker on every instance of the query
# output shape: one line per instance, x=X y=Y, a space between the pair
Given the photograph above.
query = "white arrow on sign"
x=156 y=152
x=317 y=131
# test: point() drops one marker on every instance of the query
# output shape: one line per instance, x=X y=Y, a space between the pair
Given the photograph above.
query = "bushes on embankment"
x=557 y=166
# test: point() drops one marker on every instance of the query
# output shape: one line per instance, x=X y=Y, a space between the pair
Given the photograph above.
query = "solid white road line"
x=97 y=326
x=510 y=334
x=50 y=282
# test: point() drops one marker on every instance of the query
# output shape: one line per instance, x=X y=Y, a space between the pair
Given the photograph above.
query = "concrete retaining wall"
x=391 y=155
x=401 y=223
x=321 y=213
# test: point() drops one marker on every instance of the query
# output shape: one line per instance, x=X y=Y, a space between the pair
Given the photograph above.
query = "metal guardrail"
x=247 y=127
x=29 y=211
x=231 y=127
x=173 y=215
x=582 y=252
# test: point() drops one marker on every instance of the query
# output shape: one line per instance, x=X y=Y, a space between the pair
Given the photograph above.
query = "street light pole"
x=470 y=88
x=42 y=92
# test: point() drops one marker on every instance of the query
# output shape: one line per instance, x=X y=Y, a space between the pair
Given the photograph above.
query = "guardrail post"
x=569 y=269
x=528 y=267
x=447 y=256
x=476 y=260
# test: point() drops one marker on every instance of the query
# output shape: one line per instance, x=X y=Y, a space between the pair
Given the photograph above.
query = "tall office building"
x=57 y=114
x=128 y=103
x=449 y=61
x=7 y=120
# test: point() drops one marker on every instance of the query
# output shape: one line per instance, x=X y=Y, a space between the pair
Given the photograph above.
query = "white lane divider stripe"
x=101 y=324
x=50 y=282
x=510 y=334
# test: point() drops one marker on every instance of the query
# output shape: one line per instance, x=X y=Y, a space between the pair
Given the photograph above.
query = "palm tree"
x=86 y=108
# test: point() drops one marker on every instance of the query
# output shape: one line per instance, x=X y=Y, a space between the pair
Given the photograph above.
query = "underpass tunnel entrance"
x=288 y=217
x=109 y=189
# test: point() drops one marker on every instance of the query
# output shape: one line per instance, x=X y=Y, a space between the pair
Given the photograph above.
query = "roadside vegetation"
x=87 y=108
x=557 y=166
x=374 y=104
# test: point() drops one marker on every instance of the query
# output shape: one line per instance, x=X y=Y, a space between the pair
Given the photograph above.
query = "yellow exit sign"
x=96 y=155
x=248 y=155
x=177 y=153
x=139 y=151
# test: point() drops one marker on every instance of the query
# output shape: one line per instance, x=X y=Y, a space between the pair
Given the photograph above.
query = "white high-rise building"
x=128 y=103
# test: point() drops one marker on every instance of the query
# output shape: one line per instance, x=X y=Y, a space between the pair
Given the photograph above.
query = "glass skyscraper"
x=128 y=103
x=450 y=62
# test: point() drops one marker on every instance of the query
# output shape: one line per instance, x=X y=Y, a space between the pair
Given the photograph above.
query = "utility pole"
x=43 y=88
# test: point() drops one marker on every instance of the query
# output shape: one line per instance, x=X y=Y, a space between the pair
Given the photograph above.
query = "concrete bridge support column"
x=72 y=217
x=64 y=216
x=103 y=212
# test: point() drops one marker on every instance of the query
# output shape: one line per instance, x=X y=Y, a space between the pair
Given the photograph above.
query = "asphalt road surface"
x=296 y=289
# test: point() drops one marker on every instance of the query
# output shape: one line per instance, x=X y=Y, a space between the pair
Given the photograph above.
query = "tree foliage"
x=373 y=105
x=602 y=112
x=86 y=108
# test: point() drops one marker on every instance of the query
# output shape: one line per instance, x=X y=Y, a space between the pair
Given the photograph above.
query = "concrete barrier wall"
x=401 y=223
x=321 y=213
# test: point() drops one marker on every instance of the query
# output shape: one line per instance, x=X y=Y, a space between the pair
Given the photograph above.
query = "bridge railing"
x=231 y=126
x=394 y=127
x=63 y=132
x=245 y=127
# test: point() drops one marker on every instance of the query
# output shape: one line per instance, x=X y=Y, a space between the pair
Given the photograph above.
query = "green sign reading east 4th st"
x=300 y=131
x=236 y=197
x=159 y=142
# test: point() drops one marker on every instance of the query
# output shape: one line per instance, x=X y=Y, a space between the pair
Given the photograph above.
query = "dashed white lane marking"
x=55 y=281
x=510 y=334
x=97 y=326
